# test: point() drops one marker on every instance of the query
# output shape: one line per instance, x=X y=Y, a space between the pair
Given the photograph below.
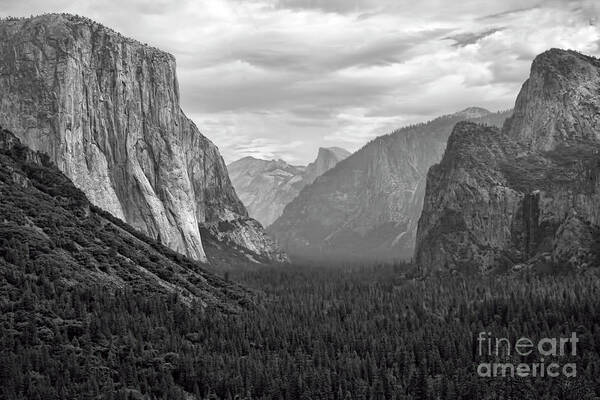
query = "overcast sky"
x=279 y=78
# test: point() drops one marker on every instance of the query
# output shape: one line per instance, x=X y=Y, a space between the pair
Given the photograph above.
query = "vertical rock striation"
x=106 y=110
x=526 y=195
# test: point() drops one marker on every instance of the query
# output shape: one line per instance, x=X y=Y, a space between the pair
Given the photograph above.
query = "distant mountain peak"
x=473 y=112
x=251 y=158
x=267 y=186
x=554 y=54
x=338 y=152
x=327 y=158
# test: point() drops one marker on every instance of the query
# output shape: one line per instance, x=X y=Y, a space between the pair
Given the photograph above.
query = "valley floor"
x=365 y=333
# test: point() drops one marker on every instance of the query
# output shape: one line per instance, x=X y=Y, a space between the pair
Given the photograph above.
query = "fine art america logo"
x=547 y=353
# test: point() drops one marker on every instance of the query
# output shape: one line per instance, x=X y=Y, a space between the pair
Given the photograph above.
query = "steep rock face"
x=368 y=205
x=327 y=158
x=453 y=231
x=574 y=244
x=106 y=110
x=266 y=187
x=559 y=103
x=528 y=194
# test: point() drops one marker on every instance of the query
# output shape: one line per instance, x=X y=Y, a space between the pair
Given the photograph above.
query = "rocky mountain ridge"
x=267 y=186
x=527 y=195
x=367 y=207
x=106 y=110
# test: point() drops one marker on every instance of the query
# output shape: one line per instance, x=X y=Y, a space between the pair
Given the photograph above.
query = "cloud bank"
x=279 y=78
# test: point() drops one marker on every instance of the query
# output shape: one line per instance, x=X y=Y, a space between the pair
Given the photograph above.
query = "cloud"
x=279 y=78
x=467 y=38
x=266 y=148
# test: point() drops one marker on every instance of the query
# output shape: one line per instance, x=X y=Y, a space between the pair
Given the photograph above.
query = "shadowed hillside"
x=49 y=228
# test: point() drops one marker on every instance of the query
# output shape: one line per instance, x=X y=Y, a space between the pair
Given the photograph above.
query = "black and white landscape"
x=408 y=209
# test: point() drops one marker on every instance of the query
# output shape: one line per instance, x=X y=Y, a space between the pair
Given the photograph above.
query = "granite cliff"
x=267 y=186
x=327 y=158
x=527 y=195
x=367 y=206
x=106 y=110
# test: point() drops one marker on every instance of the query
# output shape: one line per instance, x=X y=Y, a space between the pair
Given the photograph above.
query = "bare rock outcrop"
x=106 y=110
x=327 y=158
